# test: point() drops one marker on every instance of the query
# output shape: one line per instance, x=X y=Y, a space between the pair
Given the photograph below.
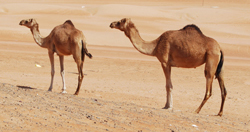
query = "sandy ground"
x=122 y=90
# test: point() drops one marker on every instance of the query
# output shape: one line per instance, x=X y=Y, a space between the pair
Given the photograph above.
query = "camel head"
x=121 y=25
x=28 y=23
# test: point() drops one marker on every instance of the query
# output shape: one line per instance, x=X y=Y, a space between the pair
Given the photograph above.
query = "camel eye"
x=118 y=23
x=26 y=22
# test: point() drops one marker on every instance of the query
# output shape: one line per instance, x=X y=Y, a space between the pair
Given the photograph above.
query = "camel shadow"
x=77 y=73
x=25 y=87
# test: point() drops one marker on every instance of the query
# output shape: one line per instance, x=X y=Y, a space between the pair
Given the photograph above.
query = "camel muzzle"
x=112 y=25
x=21 y=23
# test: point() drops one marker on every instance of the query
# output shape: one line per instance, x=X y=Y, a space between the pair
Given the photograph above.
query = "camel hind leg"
x=80 y=77
x=223 y=92
x=79 y=59
x=219 y=76
x=210 y=69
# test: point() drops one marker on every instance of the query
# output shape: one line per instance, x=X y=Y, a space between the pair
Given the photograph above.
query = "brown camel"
x=64 y=39
x=187 y=48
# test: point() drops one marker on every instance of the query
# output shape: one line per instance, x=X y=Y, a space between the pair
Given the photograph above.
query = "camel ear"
x=31 y=20
x=124 y=20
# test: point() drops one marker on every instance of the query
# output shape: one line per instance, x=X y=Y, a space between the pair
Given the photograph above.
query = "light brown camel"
x=64 y=39
x=187 y=48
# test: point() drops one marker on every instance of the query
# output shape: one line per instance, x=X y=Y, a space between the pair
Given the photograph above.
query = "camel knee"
x=168 y=88
x=222 y=86
x=223 y=94
x=62 y=72
x=208 y=95
x=52 y=72
x=208 y=74
x=80 y=77
x=169 y=91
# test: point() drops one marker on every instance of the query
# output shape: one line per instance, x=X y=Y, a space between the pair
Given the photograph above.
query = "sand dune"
x=225 y=24
x=32 y=8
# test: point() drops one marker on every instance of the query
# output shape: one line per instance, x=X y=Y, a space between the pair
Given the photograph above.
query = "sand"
x=122 y=90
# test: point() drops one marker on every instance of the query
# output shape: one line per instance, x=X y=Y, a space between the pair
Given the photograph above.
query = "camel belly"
x=60 y=50
x=189 y=61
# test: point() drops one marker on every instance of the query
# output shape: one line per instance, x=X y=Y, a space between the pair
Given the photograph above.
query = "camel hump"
x=192 y=26
x=69 y=22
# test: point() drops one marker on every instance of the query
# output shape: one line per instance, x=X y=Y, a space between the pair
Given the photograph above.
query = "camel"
x=64 y=39
x=186 y=48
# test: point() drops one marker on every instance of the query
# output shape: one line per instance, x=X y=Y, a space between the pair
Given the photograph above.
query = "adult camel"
x=187 y=48
x=64 y=39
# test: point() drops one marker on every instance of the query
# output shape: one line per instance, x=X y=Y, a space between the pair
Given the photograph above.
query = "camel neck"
x=145 y=47
x=37 y=36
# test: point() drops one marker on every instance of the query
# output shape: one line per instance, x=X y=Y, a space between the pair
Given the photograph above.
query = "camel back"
x=69 y=22
x=192 y=26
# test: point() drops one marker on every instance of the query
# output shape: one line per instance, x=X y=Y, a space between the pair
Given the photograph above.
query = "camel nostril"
x=111 y=25
x=21 y=23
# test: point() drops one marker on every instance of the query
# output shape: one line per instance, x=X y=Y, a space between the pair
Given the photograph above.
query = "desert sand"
x=122 y=90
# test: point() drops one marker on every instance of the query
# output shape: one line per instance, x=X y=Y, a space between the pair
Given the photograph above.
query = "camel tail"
x=85 y=51
x=219 y=67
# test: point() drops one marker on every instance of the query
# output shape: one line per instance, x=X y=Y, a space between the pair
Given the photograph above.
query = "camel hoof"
x=63 y=92
x=220 y=114
x=169 y=108
x=76 y=93
x=195 y=112
x=50 y=90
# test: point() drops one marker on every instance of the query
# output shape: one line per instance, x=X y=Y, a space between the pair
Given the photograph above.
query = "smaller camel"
x=187 y=48
x=64 y=40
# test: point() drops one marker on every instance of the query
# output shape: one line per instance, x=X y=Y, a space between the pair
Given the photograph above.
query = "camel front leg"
x=62 y=73
x=51 y=58
x=167 y=71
